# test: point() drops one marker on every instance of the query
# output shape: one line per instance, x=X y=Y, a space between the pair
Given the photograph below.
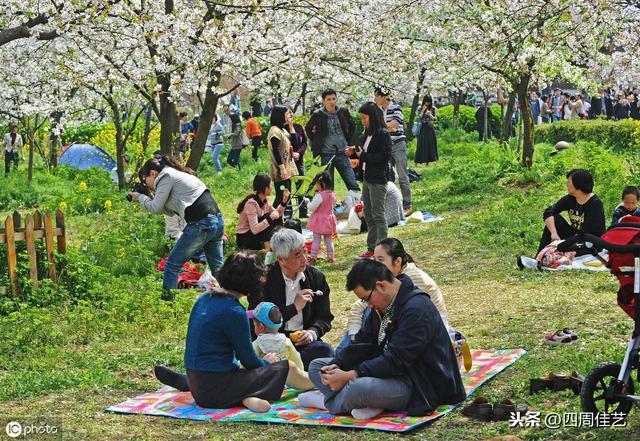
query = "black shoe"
x=168 y=295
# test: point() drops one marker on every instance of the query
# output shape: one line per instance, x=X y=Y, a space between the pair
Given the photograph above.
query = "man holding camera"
x=394 y=118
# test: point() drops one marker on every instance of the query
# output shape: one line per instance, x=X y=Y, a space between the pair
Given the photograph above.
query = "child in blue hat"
x=267 y=320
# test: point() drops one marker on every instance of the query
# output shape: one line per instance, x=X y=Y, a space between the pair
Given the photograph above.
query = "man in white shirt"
x=301 y=292
x=12 y=145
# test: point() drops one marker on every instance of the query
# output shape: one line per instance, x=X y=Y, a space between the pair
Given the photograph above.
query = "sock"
x=171 y=378
x=366 y=413
x=313 y=398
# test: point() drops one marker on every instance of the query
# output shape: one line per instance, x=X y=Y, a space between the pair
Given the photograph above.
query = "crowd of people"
x=237 y=357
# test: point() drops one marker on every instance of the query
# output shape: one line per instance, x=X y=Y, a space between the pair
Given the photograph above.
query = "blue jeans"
x=203 y=234
x=215 y=153
x=392 y=393
x=342 y=164
x=346 y=339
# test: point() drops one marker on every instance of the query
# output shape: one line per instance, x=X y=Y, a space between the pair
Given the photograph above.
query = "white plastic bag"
x=207 y=282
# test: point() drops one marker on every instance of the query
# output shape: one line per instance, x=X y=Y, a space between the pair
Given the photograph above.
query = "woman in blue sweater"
x=218 y=337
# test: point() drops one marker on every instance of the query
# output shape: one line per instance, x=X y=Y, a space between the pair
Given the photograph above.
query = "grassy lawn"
x=71 y=362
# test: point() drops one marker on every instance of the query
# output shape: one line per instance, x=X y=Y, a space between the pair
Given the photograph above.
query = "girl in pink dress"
x=322 y=221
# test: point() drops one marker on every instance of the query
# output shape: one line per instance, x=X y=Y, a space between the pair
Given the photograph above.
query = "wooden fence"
x=35 y=227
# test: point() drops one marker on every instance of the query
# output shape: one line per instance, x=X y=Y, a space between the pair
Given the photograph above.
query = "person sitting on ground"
x=628 y=206
x=267 y=320
x=391 y=252
x=585 y=210
x=257 y=217
x=409 y=365
x=218 y=334
x=302 y=294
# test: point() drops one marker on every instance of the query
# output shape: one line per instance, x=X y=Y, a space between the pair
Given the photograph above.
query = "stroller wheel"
x=592 y=394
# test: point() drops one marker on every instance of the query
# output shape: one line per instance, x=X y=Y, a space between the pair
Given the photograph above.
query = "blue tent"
x=83 y=156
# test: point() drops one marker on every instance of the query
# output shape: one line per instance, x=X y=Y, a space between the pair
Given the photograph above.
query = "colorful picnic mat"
x=171 y=403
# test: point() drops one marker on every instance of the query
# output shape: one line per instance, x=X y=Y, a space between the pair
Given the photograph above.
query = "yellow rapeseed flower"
x=107 y=204
x=83 y=186
x=87 y=201
x=63 y=205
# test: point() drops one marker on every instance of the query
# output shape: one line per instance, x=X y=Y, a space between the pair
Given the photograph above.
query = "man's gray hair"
x=284 y=241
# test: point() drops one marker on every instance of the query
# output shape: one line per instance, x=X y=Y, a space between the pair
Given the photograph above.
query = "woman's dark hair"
x=631 y=189
x=394 y=248
x=235 y=121
x=260 y=183
x=427 y=99
x=158 y=163
x=183 y=114
x=277 y=116
x=581 y=179
x=376 y=121
x=244 y=273
x=215 y=117
x=324 y=178
x=246 y=114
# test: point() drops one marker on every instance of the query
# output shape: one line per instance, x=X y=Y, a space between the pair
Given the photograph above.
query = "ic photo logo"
x=33 y=428
x=13 y=429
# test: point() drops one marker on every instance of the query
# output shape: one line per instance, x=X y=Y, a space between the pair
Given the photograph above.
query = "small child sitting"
x=629 y=205
x=267 y=319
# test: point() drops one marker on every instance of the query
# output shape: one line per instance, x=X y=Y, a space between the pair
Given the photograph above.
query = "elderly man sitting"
x=301 y=292
x=402 y=359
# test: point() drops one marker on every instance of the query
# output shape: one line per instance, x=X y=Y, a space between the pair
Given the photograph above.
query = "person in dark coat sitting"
x=414 y=368
x=301 y=292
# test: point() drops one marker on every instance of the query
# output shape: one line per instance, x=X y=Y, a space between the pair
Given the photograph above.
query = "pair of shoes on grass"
x=557 y=382
x=481 y=409
x=561 y=337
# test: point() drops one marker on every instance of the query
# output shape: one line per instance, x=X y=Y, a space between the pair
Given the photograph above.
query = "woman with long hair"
x=178 y=192
x=258 y=217
x=219 y=333
x=427 y=148
x=282 y=144
x=374 y=153
x=235 y=139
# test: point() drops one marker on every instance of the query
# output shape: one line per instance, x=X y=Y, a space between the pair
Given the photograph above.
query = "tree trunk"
x=54 y=140
x=300 y=101
x=485 y=100
x=117 y=122
x=31 y=137
x=527 y=120
x=147 y=132
x=507 y=121
x=415 y=103
x=168 y=120
x=206 y=118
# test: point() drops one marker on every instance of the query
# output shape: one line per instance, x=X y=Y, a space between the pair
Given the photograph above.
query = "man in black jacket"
x=331 y=130
x=414 y=368
x=601 y=105
x=301 y=292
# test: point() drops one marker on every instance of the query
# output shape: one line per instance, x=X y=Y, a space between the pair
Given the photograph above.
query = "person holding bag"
x=282 y=141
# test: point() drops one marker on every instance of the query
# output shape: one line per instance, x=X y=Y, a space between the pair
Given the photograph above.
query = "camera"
x=139 y=187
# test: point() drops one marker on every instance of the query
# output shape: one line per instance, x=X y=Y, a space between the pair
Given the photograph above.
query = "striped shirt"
x=393 y=112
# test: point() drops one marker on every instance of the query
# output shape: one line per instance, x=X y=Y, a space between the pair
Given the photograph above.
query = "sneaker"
x=526 y=262
x=559 y=338
x=366 y=255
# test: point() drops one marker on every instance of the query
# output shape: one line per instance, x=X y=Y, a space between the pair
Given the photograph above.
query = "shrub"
x=467 y=119
x=81 y=133
x=623 y=134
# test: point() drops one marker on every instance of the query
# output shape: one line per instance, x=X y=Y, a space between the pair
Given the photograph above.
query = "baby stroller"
x=609 y=387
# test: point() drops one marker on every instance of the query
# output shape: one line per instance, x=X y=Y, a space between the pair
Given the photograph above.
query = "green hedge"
x=81 y=133
x=623 y=134
x=467 y=118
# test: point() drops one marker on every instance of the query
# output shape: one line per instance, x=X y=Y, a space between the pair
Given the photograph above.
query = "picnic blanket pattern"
x=171 y=403
x=586 y=263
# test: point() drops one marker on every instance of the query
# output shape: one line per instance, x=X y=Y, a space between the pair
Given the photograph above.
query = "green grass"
x=71 y=360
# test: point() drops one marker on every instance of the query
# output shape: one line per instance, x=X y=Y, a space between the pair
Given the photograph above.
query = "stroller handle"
x=578 y=242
